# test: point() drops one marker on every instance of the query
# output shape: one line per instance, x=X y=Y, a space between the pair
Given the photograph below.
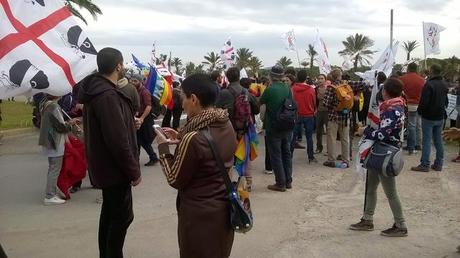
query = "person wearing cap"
x=278 y=143
x=144 y=119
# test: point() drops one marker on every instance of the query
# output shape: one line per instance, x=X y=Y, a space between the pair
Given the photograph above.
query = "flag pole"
x=424 y=42
x=298 y=59
x=391 y=28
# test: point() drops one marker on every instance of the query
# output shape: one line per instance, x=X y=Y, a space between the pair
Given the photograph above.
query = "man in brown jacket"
x=111 y=149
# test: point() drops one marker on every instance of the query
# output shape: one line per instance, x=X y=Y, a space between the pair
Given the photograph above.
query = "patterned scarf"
x=203 y=119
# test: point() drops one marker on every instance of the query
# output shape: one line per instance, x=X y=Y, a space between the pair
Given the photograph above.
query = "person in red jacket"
x=413 y=85
x=305 y=97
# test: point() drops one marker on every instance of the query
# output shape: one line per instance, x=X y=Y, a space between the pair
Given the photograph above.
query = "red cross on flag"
x=42 y=48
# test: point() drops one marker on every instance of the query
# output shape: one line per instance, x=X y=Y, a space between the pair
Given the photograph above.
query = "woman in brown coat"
x=202 y=205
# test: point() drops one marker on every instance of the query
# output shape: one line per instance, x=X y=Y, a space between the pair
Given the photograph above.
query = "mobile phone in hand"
x=160 y=130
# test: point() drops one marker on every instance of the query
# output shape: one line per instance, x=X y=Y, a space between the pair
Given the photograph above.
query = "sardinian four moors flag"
x=431 y=37
x=288 y=39
x=42 y=48
x=227 y=53
x=323 y=56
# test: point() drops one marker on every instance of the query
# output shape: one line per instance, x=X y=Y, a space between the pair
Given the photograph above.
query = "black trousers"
x=175 y=113
x=145 y=136
x=116 y=216
x=268 y=163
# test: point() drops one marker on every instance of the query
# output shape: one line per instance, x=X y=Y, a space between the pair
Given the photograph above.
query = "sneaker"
x=457 y=159
x=152 y=162
x=436 y=168
x=277 y=188
x=412 y=152
x=297 y=145
x=289 y=186
x=394 y=232
x=363 y=225
x=74 y=189
x=268 y=172
x=420 y=168
x=313 y=160
x=53 y=201
x=329 y=163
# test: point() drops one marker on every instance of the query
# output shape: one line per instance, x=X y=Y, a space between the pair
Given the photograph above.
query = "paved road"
x=309 y=221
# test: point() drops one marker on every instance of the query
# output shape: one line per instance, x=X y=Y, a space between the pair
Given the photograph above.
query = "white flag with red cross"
x=42 y=48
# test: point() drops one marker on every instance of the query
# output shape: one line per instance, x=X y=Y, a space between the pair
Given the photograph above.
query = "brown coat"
x=202 y=206
x=110 y=134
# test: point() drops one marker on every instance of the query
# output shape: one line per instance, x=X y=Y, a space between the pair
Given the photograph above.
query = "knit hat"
x=137 y=77
x=277 y=72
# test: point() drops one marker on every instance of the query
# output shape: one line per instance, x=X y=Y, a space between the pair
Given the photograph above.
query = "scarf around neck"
x=203 y=119
x=391 y=103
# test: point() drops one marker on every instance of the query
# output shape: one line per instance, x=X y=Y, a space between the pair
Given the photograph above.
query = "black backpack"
x=286 y=117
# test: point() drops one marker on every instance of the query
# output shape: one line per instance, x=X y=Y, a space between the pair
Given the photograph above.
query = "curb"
x=19 y=131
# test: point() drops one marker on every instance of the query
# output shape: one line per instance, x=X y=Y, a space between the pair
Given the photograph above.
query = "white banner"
x=451 y=109
x=387 y=59
x=227 y=54
x=42 y=49
x=288 y=39
x=323 y=56
x=431 y=37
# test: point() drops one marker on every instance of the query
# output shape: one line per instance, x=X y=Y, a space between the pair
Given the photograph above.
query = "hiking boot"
x=289 y=186
x=152 y=162
x=394 y=232
x=297 y=145
x=436 y=168
x=277 y=188
x=363 y=225
x=420 y=168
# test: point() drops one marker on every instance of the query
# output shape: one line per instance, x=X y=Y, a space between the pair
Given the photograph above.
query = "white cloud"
x=191 y=28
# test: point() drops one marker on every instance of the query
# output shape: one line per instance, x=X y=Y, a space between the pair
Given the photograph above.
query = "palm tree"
x=255 y=64
x=409 y=46
x=284 y=62
x=304 y=64
x=177 y=63
x=358 y=47
x=311 y=53
x=88 y=5
x=243 y=57
x=189 y=68
x=212 y=60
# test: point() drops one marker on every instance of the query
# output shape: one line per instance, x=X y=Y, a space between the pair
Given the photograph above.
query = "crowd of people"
x=116 y=114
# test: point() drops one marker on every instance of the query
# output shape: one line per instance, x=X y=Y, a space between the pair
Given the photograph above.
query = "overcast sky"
x=192 y=28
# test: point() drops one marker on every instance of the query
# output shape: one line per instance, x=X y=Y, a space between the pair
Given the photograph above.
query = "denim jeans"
x=432 y=129
x=414 y=130
x=308 y=123
x=279 y=148
x=298 y=132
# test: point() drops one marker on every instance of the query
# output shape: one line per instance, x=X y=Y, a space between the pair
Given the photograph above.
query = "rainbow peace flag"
x=160 y=88
x=246 y=150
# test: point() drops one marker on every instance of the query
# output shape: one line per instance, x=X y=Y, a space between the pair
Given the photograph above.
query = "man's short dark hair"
x=412 y=67
x=290 y=70
x=381 y=77
x=203 y=87
x=393 y=87
x=214 y=75
x=435 y=69
x=233 y=74
x=107 y=60
x=302 y=75
x=245 y=82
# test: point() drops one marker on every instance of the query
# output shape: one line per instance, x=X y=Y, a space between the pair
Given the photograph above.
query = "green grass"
x=15 y=115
